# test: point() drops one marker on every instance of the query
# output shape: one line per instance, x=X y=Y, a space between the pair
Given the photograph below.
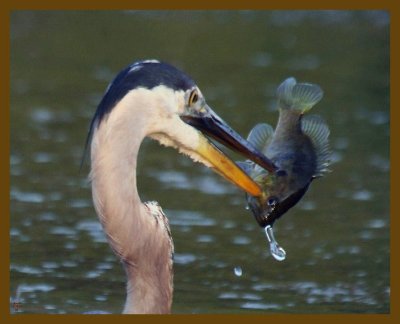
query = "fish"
x=298 y=147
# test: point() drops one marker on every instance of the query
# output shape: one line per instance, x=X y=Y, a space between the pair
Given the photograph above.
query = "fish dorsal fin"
x=260 y=136
x=298 y=96
x=318 y=131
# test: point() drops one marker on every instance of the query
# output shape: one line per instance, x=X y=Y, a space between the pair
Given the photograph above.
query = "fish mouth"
x=211 y=125
x=267 y=215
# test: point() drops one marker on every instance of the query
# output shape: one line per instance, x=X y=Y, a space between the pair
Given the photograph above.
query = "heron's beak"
x=213 y=126
x=226 y=167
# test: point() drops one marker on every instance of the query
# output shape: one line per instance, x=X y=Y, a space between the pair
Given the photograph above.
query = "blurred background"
x=336 y=238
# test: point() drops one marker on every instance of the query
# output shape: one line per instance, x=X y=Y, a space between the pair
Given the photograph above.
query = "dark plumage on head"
x=143 y=74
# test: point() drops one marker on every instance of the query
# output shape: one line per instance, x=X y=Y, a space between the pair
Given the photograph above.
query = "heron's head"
x=150 y=98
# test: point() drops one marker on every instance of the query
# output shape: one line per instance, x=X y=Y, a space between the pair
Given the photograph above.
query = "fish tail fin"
x=298 y=96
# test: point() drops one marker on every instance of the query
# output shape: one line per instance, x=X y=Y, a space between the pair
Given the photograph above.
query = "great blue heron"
x=154 y=99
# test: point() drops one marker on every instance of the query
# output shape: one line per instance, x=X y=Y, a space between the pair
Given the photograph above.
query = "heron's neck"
x=137 y=234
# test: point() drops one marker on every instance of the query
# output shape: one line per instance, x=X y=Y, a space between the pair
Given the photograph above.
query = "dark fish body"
x=298 y=147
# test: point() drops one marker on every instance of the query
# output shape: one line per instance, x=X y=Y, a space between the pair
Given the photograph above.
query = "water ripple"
x=93 y=228
x=184 y=258
x=362 y=195
x=188 y=218
x=205 y=238
x=26 y=269
x=241 y=240
x=26 y=288
x=62 y=230
x=376 y=223
x=179 y=180
x=258 y=305
x=338 y=292
x=261 y=59
x=28 y=197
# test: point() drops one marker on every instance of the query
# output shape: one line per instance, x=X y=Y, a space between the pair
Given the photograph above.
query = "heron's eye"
x=193 y=98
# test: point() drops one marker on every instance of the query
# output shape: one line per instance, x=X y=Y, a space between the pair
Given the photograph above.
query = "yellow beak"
x=209 y=124
x=226 y=167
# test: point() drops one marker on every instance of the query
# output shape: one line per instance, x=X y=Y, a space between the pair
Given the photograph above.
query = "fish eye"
x=193 y=97
x=272 y=201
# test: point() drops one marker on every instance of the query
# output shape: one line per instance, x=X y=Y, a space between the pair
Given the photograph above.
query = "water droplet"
x=277 y=252
x=238 y=271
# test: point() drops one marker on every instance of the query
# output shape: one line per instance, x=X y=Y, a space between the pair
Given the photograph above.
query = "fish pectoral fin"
x=260 y=136
x=318 y=131
x=246 y=166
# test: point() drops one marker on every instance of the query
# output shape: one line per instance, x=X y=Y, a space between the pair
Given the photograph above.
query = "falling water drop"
x=277 y=252
x=238 y=271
